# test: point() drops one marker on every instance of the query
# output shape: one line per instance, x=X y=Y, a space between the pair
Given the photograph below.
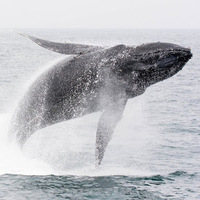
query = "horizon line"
x=87 y=28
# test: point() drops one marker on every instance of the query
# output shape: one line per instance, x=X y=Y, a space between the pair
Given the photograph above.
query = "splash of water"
x=12 y=159
x=68 y=148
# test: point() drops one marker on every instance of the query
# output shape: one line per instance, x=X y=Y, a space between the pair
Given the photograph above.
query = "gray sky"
x=100 y=14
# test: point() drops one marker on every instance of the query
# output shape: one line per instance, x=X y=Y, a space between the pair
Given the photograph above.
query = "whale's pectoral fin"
x=64 y=48
x=107 y=123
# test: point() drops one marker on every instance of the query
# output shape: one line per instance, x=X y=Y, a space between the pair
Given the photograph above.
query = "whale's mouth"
x=174 y=58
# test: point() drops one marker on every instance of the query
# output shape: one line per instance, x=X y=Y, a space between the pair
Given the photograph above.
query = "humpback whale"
x=94 y=78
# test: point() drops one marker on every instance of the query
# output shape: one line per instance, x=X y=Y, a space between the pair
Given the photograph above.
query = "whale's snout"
x=174 y=57
x=184 y=54
x=187 y=54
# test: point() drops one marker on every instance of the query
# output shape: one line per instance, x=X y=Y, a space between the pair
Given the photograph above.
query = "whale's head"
x=150 y=63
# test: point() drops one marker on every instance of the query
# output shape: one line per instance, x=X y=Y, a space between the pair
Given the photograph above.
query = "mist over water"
x=68 y=148
x=154 y=152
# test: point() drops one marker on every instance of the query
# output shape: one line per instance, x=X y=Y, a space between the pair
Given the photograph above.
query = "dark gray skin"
x=96 y=79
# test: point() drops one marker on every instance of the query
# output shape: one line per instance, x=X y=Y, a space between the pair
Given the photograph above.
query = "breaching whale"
x=94 y=79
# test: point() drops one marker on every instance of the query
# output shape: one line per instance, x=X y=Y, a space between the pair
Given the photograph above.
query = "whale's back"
x=65 y=91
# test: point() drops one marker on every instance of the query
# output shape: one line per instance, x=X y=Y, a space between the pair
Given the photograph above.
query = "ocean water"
x=154 y=152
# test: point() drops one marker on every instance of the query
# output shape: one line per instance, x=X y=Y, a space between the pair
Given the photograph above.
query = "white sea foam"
x=12 y=159
x=68 y=148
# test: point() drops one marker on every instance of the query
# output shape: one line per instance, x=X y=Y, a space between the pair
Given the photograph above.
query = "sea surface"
x=154 y=152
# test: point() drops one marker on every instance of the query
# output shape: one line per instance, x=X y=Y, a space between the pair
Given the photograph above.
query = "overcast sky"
x=100 y=14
